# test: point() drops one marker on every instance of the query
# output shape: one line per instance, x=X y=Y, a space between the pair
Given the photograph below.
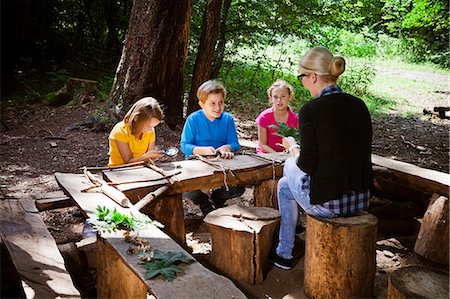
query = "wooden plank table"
x=244 y=170
x=120 y=276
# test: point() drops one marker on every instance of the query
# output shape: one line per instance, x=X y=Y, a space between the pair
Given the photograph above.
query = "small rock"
x=388 y=253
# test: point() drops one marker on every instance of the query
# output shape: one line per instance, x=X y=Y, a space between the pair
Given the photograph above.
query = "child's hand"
x=152 y=154
x=225 y=152
x=206 y=151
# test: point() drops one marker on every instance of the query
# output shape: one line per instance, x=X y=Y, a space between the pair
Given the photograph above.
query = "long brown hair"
x=141 y=111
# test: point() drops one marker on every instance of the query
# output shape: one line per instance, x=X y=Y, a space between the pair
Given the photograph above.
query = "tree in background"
x=153 y=57
x=206 y=50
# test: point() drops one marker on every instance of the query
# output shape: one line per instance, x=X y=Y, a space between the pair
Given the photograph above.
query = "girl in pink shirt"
x=280 y=94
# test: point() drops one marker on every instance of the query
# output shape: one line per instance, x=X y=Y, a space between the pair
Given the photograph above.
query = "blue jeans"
x=293 y=190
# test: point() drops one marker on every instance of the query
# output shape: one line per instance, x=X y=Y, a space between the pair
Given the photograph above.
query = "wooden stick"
x=134 y=182
x=161 y=171
x=110 y=191
x=150 y=197
x=263 y=158
x=138 y=163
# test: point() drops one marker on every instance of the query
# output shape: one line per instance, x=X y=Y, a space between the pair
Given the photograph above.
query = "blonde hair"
x=277 y=84
x=141 y=111
x=208 y=87
x=319 y=60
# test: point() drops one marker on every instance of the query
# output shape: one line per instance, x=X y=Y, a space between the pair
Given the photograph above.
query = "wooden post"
x=432 y=240
x=265 y=194
x=340 y=257
x=169 y=211
x=417 y=282
x=241 y=241
x=115 y=279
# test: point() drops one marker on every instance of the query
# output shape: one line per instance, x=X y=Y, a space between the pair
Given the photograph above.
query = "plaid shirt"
x=347 y=203
x=332 y=89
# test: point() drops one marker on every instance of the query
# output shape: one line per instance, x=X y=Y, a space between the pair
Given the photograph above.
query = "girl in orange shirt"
x=133 y=139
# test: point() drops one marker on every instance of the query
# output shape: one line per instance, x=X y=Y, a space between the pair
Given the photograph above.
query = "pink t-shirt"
x=267 y=118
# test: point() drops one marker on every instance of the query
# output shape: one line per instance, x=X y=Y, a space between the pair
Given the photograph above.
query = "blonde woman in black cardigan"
x=330 y=173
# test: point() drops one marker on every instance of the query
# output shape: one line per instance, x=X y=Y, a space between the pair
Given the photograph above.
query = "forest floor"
x=38 y=140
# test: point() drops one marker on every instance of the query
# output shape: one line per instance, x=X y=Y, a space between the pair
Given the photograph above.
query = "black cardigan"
x=335 y=138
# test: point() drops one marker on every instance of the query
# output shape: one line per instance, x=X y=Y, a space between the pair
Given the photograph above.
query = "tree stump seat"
x=241 y=241
x=340 y=256
x=417 y=282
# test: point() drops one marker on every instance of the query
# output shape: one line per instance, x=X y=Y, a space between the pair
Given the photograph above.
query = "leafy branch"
x=109 y=221
x=284 y=131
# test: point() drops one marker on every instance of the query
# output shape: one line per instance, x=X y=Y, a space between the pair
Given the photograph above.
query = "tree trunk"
x=203 y=62
x=220 y=51
x=153 y=57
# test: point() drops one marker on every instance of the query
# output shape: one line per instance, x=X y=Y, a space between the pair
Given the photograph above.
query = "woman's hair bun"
x=337 y=66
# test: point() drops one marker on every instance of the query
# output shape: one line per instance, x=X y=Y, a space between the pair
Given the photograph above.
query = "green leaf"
x=174 y=257
x=159 y=267
x=165 y=263
x=284 y=131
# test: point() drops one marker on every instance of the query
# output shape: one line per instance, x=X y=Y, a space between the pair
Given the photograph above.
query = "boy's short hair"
x=208 y=87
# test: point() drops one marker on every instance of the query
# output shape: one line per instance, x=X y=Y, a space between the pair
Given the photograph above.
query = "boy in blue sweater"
x=211 y=131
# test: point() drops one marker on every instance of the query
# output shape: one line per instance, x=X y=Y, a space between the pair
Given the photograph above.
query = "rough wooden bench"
x=120 y=276
x=417 y=282
x=241 y=241
x=34 y=253
x=340 y=256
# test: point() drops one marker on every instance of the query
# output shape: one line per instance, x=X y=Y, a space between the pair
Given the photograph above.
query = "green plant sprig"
x=284 y=131
x=109 y=221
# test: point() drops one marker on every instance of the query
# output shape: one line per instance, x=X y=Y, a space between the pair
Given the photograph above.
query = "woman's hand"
x=289 y=142
x=291 y=145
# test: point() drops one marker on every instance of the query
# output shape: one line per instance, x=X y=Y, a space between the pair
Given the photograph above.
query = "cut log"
x=340 y=256
x=265 y=194
x=432 y=240
x=241 y=241
x=416 y=178
x=417 y=282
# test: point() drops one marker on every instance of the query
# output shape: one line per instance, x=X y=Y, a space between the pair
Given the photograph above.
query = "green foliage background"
x=264 y=41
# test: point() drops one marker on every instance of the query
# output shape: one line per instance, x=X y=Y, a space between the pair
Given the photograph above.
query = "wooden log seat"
x=241 y=241
x=417 y=282
x=340 y=256
x=432 y=240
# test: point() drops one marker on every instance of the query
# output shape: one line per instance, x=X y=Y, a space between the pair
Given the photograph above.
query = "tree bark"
x=153 y=57
x=220 y=51
x=205 y=55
